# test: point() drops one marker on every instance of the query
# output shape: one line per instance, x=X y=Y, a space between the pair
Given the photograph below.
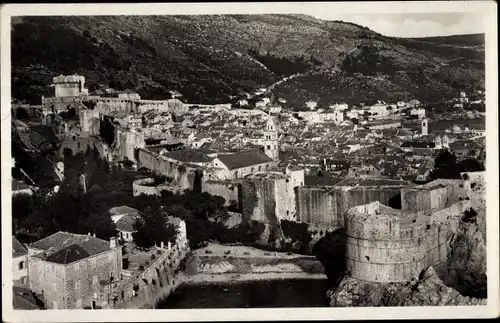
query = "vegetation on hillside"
x=211 y=59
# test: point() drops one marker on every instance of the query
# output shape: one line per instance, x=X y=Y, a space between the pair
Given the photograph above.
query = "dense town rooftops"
x=244 y=159
x=74 y=246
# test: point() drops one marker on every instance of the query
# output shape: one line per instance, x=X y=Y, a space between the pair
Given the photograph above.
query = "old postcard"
x=244 y=161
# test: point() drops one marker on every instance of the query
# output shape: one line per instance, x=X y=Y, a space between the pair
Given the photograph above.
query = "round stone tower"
x=383 y=245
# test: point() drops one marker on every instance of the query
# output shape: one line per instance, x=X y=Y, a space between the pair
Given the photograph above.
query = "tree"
x=152 y=228
x=22 y=114
x=470 y=165
x=445 y=166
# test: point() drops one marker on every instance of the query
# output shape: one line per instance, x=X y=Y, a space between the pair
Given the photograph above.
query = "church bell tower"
x=271 y=146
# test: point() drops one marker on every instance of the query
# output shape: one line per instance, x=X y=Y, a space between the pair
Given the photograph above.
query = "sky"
x=414 y=24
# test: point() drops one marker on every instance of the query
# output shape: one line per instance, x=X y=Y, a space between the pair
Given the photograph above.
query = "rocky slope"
x=212 y=59
x=428 y=291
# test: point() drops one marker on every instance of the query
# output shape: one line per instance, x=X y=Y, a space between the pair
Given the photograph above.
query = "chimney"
x=88 y=234
x=93 y=234
x=112 y=242
x=162 y=245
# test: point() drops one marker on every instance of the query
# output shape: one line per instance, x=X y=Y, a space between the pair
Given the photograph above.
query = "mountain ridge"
x=218 y=58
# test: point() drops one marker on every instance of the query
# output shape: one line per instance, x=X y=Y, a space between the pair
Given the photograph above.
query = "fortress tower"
x=425 y=127
x=271 y=144
x=70 y=85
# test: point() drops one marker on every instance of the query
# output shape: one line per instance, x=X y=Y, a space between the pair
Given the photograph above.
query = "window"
x=78 y=285
x=23 y=280
x=21 y=265
x=79 y=303
x=77 y=266
x=268 y=147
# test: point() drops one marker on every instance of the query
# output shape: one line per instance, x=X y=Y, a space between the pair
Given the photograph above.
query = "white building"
x=312 y=105
x=419 y=112
x=340 y=107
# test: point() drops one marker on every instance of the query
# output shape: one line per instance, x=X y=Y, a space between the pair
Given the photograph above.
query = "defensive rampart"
x=229 y=190
x=78 y=143
x=158 y=280
x=267 y=197
x=184 y=176
x=389 y=245
x=147 y=186
x=327 y=205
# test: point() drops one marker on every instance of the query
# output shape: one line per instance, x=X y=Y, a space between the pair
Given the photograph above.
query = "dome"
x=456 y=129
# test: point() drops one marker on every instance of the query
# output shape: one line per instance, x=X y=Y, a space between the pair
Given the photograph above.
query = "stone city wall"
x=185 y=177
x=455 y=188
x=144 y=186
x=327 y=205
x=419 y=199
x=78 y=143
x=268 y=197
x=230 y=191
x=158 y=280
x=387 y=245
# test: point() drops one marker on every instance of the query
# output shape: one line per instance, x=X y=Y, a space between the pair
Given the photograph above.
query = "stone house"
x=19 y=263
x=237 y=165
x=70 y=271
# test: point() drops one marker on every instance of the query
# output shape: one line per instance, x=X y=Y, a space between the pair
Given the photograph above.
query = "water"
x=256 y=294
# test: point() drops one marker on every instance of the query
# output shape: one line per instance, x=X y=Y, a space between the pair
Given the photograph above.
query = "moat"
x=256 y=294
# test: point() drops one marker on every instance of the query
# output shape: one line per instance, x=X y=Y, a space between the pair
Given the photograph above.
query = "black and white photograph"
x=284 y=157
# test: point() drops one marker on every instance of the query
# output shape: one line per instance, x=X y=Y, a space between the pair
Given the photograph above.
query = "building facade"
x=71 y=271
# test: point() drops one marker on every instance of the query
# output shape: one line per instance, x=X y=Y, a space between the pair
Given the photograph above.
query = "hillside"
x=214 y=59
